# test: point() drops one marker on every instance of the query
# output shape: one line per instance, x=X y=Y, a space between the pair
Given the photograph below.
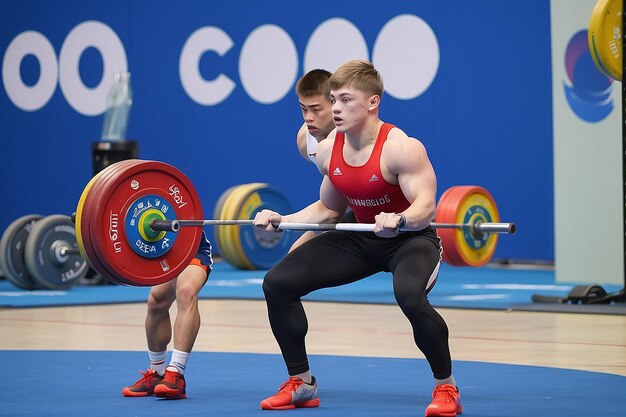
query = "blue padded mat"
x=78 y=384
x=481 y=288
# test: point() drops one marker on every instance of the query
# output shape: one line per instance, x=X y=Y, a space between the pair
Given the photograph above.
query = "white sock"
x=157 y=361
x=449 y=380
x=178 y=362
x=305 y=377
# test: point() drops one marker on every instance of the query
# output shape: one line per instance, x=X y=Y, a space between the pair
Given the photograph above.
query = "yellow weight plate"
x=80 y=206
x=476 y=206
x=234 y=235
x=217 y=214
x=224 y=242
x=605 y=37
x=262 y=249
x=79 y=213
x=228 y=235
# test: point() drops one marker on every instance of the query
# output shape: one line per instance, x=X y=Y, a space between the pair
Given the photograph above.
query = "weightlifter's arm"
x=330 y=208
x=407 y=160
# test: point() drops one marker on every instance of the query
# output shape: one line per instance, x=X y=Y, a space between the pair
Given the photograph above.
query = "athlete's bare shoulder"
x=301 y=141
x=401 y=151
x=324 y=149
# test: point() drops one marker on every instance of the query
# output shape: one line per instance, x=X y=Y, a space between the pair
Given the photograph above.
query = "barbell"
x=478 y=228
x=140 y=223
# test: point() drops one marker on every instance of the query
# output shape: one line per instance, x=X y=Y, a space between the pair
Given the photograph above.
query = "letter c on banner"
x=30 y=98
x=201 y=91
x=85 y=100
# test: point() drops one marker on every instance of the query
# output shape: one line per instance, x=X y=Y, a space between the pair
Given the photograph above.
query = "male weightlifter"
x=313 y=93
x=162 y=379
x=314 y=98
x=387 y=179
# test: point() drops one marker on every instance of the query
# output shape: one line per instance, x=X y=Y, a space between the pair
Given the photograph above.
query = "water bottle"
x=119 y=102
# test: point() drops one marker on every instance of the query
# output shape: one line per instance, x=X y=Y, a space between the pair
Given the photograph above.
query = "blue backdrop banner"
x=213 y=87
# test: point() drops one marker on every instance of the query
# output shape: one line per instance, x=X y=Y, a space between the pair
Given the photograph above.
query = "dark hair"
x=313 y=83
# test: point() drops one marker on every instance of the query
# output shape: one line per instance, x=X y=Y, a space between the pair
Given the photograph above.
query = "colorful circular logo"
x=587 y=90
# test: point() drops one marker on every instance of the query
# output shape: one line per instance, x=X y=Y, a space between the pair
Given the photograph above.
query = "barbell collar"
x=175 y=225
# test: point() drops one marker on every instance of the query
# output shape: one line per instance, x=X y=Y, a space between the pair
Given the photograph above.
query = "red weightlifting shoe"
x=144 y=386
x=172 y=386
x=446 y=402
x=293 y=393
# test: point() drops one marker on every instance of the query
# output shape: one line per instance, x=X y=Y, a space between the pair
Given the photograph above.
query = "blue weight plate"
x=262 y=249
x=140 y=245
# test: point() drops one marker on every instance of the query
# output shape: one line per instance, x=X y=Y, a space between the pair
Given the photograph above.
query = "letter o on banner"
x=347 y=40
x=407 y=53
x=85 y=100
x=268 y=73
x=30 y=98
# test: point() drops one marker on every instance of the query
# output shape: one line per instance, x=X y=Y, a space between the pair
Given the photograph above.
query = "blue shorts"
x=203 y=255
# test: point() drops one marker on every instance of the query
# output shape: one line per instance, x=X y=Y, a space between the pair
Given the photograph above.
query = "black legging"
x=336 y=258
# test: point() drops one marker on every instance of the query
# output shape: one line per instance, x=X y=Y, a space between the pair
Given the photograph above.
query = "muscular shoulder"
x=301 y=141
x=401 y=152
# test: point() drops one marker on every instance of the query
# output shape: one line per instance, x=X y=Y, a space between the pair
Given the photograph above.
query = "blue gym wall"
x=486 y=118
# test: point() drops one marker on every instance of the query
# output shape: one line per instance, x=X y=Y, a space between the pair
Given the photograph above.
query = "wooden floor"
x=574 y=341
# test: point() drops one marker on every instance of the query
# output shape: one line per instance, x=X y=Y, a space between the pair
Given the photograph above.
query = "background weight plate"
x=605 y=37
x=42 y=256
x=261 y=249
x=217 y=214
x=12 y=247
x=229 y=235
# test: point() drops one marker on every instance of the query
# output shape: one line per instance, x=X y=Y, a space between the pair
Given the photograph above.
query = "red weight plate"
x=86 y=216
x=90 y=222
x=94 y=221
x=452 y=209
x=110 y=211
x=82 y=219
x=446 y=213
x=442 y=213
x=147 y=184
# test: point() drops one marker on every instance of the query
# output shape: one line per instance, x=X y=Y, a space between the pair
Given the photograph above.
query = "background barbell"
x=39 y=252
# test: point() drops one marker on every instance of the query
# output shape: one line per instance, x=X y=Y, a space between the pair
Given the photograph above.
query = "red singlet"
x=364 y=186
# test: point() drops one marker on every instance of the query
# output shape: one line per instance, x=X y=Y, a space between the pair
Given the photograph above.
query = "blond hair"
x=359 y=74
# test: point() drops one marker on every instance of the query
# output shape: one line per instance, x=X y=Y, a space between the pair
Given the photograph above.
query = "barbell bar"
x=478 y=227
